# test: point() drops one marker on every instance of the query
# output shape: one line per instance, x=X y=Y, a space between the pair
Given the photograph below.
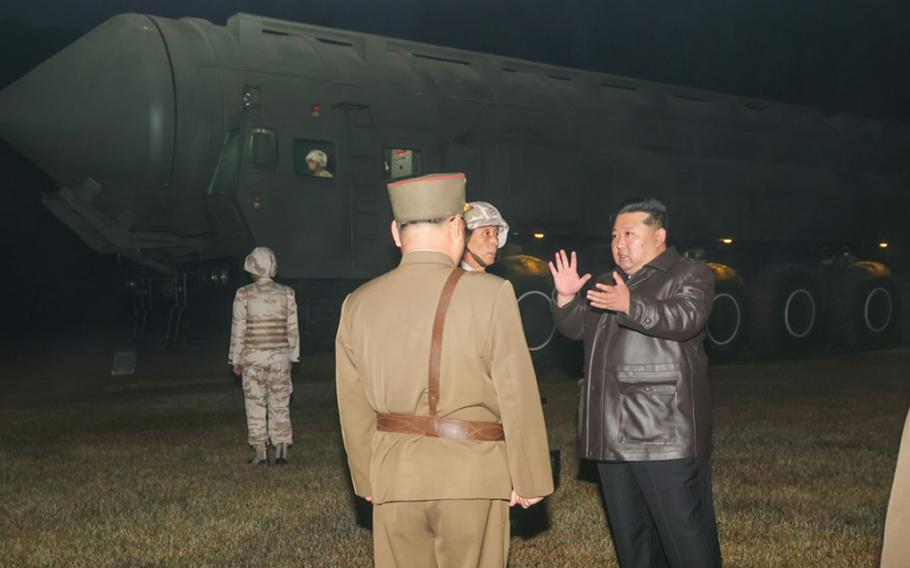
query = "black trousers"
x=661 y=513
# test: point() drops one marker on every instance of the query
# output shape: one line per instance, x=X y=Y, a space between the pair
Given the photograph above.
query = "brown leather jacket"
x=645 y=395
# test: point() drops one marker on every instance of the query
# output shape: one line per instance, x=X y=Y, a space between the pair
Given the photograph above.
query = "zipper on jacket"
x=588 y=390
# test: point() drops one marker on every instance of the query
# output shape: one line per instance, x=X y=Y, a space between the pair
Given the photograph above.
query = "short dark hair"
x=434 y=221
x=656 y=210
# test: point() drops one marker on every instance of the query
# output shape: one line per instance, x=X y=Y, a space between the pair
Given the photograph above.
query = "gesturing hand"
x=565 y=277
x=614 y=297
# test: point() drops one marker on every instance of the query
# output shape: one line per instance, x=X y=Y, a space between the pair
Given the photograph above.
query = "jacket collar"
x=426 y=257
x=661 y=262
x=665 y=260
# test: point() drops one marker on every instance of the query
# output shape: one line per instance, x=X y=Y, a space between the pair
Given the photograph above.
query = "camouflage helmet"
x=483 y=214
x=317 y=156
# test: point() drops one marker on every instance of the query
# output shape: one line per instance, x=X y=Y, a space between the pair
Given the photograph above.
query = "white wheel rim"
x=739 y=320
x=799 y=293
x=552 y=325
x=869 y=297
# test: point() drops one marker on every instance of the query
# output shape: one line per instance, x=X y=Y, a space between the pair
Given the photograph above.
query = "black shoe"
x=254 y=461
x=281 y=461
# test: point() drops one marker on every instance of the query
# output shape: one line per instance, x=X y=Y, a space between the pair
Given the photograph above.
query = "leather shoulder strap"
x=436 y=343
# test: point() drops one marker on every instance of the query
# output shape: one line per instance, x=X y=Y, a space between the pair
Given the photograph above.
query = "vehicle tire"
x=867 y=307
x=536 y=318
x=725 y=331
x=530 y=277
x=786 y=309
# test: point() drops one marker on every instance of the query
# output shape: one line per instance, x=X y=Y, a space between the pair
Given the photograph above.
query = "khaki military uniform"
x=265 y=341
x=437 y=499
x=896 y=548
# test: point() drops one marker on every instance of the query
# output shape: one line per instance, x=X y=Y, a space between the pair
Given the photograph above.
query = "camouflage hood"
x=261 y=262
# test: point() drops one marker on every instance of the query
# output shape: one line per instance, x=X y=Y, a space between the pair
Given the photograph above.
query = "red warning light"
x=314 y=110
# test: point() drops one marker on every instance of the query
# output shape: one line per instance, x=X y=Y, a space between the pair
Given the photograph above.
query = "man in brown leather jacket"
x=645 y=409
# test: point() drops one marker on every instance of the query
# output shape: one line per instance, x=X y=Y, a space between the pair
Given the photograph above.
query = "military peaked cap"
x=432 y=196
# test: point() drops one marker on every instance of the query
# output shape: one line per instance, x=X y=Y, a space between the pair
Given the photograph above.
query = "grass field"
x=149 y=470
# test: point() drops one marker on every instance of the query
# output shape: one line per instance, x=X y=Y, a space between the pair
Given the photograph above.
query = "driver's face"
x=485 y=243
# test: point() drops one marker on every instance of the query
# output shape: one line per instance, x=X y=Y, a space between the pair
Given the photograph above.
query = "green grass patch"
x=150 y=470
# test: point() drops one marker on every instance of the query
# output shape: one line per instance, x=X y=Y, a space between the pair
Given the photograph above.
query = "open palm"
x=564 y=269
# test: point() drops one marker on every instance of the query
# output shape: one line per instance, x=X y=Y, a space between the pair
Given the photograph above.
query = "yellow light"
x=726 y=241
x=538 y=235
x=883 y=245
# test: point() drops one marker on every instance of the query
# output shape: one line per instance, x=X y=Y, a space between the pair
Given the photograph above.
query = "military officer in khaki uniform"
x=486 y=233
x=439 y=406
x=264 y=343
x=896 y=547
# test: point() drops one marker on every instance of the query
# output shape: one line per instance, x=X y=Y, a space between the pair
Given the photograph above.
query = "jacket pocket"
x=648 y=407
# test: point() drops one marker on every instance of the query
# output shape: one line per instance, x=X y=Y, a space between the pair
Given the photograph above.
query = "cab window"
x=402 y=163
x=263 y=148
x=315 y=158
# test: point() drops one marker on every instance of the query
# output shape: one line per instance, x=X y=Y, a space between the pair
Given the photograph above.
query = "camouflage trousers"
x=267 y=394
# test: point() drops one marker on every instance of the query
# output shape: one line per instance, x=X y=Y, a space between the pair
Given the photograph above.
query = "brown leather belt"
x=433 y=425
x=438 y=427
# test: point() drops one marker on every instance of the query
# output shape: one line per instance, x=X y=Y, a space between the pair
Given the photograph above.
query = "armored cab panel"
x=197 y=51
x=179 y=139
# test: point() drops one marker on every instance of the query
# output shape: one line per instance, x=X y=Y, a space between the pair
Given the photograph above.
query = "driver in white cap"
x=487 y=232
x=317 y=161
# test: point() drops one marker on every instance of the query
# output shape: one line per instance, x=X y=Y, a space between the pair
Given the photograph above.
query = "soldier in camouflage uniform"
x=486 y=233
x=264 y=343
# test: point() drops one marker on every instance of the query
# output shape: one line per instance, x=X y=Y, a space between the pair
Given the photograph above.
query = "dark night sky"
x=837 y=55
